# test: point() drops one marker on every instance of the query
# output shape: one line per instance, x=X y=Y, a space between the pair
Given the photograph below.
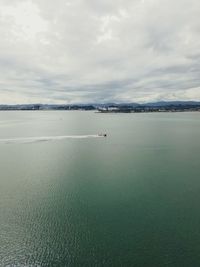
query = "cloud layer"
x=72 y=51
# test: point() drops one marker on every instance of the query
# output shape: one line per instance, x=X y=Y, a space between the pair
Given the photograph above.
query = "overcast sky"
x=81 y=51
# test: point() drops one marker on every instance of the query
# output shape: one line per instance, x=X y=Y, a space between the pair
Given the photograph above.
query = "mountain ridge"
x=149 y=106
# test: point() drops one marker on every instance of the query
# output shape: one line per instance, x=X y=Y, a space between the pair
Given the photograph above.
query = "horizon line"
x=102 y=103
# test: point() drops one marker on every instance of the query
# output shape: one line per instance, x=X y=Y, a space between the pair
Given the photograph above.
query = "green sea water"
x=130 y=199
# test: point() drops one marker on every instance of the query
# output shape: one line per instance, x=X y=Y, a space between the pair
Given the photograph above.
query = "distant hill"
x=112 y=107
x=174 y=103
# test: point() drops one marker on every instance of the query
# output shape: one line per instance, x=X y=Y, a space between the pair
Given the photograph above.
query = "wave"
x=46 y=138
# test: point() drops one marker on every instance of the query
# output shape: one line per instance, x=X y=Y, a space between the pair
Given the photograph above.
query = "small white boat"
x=102 y=134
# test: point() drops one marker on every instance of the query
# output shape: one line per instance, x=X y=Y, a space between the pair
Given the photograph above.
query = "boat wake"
x=46 y=138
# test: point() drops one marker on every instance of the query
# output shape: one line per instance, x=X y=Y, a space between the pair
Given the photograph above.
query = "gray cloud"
x=99 y=51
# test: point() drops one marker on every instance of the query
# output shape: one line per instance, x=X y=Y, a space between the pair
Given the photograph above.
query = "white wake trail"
x=46 y=138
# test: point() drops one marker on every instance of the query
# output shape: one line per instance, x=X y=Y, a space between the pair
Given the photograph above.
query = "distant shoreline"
x=168 y=106
x=107 y=112
x=138 y=112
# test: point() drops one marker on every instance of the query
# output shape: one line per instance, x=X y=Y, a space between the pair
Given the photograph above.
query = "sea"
x=69 y=197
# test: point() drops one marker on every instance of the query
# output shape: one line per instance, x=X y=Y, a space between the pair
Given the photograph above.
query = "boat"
x=102 y=134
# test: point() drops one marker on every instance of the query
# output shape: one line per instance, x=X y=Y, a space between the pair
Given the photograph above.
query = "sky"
x=89 y=51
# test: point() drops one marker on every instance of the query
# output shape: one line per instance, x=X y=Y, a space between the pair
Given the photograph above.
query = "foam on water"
x=46 y=138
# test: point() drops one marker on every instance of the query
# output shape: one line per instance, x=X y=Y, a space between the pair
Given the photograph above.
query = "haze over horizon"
x=99 y=51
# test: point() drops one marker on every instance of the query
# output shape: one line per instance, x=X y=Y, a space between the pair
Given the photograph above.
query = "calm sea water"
x=131 y=199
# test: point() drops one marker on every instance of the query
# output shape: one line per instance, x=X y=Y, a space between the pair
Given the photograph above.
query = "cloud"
x=99 y=51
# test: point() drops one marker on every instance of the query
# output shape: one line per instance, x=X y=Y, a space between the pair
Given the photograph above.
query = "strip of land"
x=172 y=106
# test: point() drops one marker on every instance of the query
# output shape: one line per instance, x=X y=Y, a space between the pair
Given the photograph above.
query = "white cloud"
x=85 y=51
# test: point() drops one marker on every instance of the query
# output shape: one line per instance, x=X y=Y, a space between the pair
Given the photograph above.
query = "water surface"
x=131 y=199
